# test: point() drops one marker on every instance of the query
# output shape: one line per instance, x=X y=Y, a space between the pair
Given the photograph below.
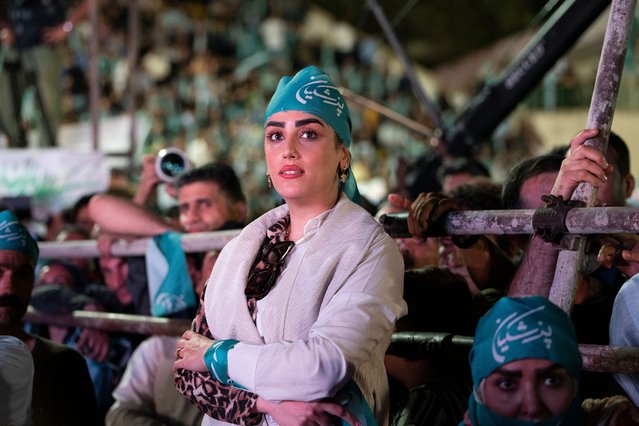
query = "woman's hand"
x=298 y=413
x=190 y=350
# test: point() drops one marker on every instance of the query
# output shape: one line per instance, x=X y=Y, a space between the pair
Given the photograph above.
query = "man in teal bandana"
x=63 y=393
x=312 y=91
x=14 y=236
x=525 y=365
x=18 y=255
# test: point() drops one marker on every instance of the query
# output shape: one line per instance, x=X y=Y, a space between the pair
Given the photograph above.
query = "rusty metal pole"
x=107 y=321
x=612 y=359
x=588 y=220
x=602 y=108
x=191 y=243
x=421 y=345
x=593 y=220
x=94 y=84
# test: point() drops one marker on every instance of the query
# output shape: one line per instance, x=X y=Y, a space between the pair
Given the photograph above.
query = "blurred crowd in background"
x=206 y=69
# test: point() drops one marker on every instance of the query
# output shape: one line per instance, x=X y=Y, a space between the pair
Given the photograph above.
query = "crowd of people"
x=292 y=319
x=295 y=313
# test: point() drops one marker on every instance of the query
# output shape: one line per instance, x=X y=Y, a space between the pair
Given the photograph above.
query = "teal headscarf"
x=311 y=90
x=516 y=329
x=15 y=236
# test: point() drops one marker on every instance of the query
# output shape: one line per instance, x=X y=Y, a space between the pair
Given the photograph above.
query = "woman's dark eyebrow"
x=275 y=124
x=549 y=369
x=507 y=373
x=306 y=121
x=298 y=123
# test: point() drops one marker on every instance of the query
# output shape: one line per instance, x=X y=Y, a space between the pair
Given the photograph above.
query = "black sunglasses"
x=260 y=282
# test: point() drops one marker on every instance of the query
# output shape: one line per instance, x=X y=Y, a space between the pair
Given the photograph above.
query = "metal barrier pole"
x=602 y=108
x=191 y=243
x=613 y=359
x=581 y=220
x=108 y=321
x=420 y=345
x=591 y=220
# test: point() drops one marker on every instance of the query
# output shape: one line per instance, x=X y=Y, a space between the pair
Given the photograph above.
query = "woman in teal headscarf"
x=300 y=307
x=525 y=365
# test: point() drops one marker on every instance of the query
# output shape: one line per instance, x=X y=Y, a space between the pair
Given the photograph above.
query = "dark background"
x=438 y=31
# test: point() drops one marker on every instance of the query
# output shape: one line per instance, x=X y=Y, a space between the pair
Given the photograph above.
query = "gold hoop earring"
x=269 y=182
x=343 y=175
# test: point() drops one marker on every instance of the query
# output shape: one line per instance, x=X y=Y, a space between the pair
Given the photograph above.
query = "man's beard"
x=10 y=301
x=11 y=309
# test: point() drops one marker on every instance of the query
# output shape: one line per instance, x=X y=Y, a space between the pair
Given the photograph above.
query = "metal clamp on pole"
x=550 y=222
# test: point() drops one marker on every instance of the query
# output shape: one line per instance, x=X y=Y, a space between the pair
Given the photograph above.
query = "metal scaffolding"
x=590 y=220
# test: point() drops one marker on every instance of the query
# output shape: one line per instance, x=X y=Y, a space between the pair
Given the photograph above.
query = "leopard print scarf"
x=219 y=401
x=268 y=263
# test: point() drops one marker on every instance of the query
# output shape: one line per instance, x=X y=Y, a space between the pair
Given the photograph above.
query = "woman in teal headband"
x=525 y=365
x=299 y=309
